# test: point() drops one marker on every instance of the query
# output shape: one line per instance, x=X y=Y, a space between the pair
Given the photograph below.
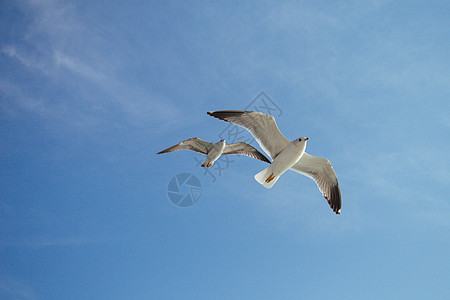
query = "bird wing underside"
x=244 y=149
x=194 y=144
x=321 y=171
x=262 y=127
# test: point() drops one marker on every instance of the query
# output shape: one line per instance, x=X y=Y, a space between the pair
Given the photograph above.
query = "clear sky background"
x=91 y=90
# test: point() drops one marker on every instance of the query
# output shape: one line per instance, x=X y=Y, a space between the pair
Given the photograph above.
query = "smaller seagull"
x=214 y=150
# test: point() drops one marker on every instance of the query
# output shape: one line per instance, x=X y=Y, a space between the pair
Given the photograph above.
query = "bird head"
x=302 y=139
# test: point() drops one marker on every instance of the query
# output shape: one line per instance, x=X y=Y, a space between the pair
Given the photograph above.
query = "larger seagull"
x=285 y=154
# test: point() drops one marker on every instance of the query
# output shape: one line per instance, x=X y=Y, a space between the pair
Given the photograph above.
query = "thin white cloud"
x=59 y=45
x=13 y=288
x=16 y=97
x=26 y=60
x=52 y=242
x=78 y=67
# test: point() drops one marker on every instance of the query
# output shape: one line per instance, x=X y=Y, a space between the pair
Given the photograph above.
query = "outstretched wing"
x=321 y=171
x=194 y=144
x=244 y=149
x=262 y=126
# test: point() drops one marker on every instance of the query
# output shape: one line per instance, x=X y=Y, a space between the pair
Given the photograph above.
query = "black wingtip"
x=337 y=202
x=266 y=159
x=262 y=158
x=224 y=114
x=334 y=199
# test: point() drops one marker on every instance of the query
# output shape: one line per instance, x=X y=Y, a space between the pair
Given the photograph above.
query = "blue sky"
x=91 y=90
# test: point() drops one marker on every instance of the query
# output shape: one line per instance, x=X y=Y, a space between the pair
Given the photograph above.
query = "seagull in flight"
x=285 y=154
x=214 y=150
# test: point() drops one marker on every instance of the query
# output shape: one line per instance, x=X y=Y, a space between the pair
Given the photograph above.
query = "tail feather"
x=263 y=176
x=207 y=164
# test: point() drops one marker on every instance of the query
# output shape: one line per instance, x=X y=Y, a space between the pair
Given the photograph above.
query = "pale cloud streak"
x=13 y=288
x=78 y=67
x=52 y=242
x=59 y=46
x=26 y=60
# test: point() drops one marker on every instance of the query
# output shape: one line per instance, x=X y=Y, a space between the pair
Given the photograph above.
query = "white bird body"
x=282 y=162
x=214 y=154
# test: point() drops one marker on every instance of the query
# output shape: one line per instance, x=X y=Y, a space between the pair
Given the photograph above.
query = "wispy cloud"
x=13 y=288
x=52 y=242
x=61 y=47
x=78 y=67
x=16 y=97
x=25 y=59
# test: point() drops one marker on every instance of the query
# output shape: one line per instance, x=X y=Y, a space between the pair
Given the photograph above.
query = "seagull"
x=285 y=154
x=214 y=150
